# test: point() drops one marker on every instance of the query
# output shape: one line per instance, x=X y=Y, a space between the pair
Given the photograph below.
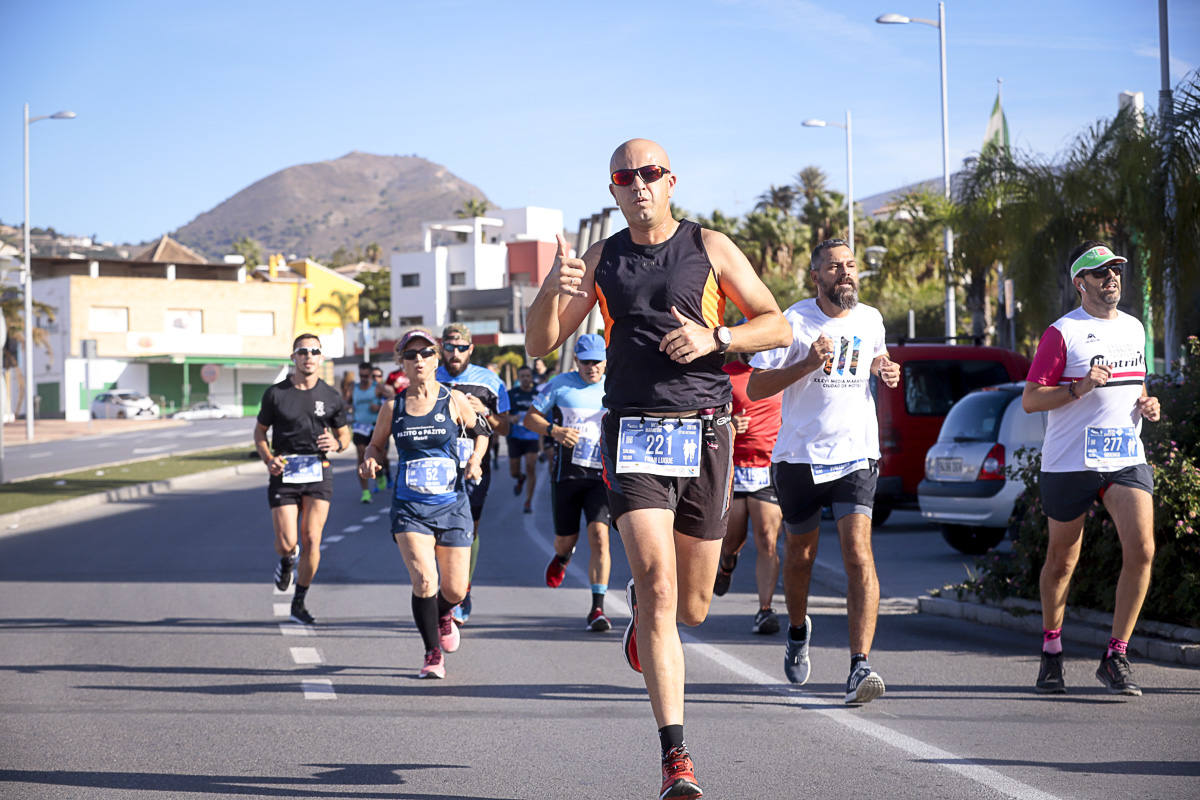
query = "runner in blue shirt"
x=488 y=397
x=569 y=411
x=364 y=399
x=522 y=442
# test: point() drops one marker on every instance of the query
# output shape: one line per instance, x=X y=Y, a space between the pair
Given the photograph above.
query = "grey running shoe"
x=795 y=656
x=765 y=622
x=724 y=575
x=1050 y=676
x=1115 y=673
x=864 y=684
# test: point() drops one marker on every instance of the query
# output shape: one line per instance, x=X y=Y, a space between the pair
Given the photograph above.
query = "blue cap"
x=590 y=347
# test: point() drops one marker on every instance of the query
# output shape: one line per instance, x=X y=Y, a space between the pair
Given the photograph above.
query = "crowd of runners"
x=682 y=434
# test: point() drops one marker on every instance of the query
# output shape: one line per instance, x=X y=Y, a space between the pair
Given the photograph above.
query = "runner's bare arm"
x=274 y=463
x=766 y=327
x=1148 y=406
x=1037 y=397
x=465 y=413
x=536 y=422
x=767 y=382
x=567 y=295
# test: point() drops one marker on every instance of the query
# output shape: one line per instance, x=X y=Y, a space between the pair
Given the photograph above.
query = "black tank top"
x=636 y=286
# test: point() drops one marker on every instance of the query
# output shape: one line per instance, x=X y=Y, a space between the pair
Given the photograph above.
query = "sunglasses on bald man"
x=649 y=174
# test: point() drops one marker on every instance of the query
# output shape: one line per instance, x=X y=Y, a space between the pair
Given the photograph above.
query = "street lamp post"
x=27 y=276
x=820 y=123
x=940 y=24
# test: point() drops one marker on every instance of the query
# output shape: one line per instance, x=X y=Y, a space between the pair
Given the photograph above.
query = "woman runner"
x=431 y=517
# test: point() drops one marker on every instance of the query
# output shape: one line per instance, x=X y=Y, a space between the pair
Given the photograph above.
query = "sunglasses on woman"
x=413 y=355
x=649 y=174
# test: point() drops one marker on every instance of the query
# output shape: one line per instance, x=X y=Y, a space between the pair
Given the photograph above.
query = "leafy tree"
x=376 y=298
x=373 y=253
x=782 y=198
x=343 y=305
x=472 y=207
x=250 y=250
x=342 y=256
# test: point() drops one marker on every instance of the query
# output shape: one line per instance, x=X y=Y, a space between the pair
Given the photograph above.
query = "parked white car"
x=123 y=404
x=965 y=487
x=204 y=409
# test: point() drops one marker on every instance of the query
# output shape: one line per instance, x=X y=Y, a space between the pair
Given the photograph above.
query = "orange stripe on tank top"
x=713 y=302
x=604 y=313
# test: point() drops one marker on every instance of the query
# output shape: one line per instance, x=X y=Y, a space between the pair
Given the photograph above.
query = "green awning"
x=224 y=361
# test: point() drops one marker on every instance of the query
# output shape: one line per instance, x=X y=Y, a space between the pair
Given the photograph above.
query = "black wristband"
x=1071 y=390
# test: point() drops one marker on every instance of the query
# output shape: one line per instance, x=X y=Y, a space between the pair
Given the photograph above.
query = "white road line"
x=282 y=609
x=294 y=629
x=305 y=655
x=275 y=591
x=39 y=455
x=334 y=539
x=350 y=529
x=318 y=689
x=834 y=711
x=137 y=451
x=370 y=519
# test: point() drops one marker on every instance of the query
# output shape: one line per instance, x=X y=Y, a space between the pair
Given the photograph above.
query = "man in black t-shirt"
x=307 y=418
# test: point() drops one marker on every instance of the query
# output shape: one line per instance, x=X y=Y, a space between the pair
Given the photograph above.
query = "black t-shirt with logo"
x=297 y=416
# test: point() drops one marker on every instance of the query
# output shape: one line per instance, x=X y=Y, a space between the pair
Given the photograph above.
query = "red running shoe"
x=629 y=641
x=555 y=572
x=679 y=777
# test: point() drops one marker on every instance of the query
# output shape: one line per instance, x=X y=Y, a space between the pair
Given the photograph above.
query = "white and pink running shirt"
x=1102 y=430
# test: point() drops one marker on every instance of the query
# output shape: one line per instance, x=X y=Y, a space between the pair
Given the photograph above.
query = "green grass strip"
x=43 y=491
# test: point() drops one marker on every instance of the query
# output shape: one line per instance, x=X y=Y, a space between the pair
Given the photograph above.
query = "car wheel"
x=120 y=415
x=972 y=540
x=880 y=514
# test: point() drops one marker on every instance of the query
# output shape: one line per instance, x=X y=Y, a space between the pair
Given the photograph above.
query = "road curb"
x=12 y=523
x=1083 y=627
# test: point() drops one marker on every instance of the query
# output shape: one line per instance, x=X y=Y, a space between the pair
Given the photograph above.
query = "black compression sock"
x=670 y=736
x=598 y=600
x=298 y=597
x=443 y=605
x=425 y=615
x=856 y=659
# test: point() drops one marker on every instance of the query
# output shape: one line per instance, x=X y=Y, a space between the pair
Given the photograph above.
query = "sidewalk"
x=51 y=430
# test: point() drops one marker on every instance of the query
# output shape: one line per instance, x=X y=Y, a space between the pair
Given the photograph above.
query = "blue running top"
x=427 y=448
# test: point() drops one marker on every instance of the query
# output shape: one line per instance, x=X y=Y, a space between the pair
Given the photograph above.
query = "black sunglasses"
x=461 y=348
x=307 y=351
x=650 y=173
x=1100 y=273
x=424 y=352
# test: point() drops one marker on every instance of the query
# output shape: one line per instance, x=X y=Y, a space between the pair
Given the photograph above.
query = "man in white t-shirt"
x=1089 y=373
x=827 y=452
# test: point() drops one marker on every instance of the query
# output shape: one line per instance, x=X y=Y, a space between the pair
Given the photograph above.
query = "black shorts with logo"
x=701 y=504
x=574 y=496
x=801 y=500
x=1067 y=496
x=290 y=494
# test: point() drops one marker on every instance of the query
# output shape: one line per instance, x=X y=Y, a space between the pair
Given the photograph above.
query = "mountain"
x=313 y=209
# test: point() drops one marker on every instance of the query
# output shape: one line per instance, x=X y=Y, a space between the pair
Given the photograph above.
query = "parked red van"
x=933 y=376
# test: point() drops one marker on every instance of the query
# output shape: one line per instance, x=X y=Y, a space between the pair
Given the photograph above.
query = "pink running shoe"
x=448 y=633
x=434 y=666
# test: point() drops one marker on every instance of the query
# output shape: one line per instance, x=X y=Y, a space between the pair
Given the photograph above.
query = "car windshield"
x=931 y=387
x=976 y=418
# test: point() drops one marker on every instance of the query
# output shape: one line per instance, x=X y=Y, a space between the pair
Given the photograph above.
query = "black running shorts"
x=701 y=504
x=570 y=498
x=477 y=492
x=1067 y=496
x=519 y=447
x=289 y=494
x=801 y=500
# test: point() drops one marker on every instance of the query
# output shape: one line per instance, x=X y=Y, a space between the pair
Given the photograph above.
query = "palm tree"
x=373 y=252
x=472 y=207
x=344 y=305
x=779 y=197
x=12 y=309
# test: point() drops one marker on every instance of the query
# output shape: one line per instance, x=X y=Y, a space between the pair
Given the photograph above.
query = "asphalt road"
x=145 y=655
x=66 y=455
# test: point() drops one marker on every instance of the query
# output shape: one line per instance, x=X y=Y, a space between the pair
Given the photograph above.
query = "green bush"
x=1173 y=450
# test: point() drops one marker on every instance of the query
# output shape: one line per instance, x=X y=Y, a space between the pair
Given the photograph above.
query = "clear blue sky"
x=183 y=104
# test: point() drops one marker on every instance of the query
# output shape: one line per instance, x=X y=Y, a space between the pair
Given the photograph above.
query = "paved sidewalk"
x=50 y=430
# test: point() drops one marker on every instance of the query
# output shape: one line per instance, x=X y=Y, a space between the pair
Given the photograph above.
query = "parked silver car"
x=965 y=488
x=204 y=409
x=123 y=404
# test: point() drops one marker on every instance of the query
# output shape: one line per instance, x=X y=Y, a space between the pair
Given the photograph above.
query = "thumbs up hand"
x=570 y=271
x=689 y=341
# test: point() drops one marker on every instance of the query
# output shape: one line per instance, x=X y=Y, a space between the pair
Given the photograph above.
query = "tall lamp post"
x=940 y=24
x=820 y=123
x=27 y=276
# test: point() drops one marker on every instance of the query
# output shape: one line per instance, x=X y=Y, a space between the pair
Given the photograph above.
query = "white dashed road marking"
x=334 y=539
x=318 y=689
x=282 y=609
x=305 y=655
x=351 y=529
x=370 y=519
x=137 y=451
x=294 y=629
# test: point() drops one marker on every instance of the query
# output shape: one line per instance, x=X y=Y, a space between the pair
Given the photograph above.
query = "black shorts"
x=289 y=494
x=701 y=504
x=361 y=438
x=1067 y=496
x=801 y=500
x=477 y=492
x=449 y=524
x=519 y=447
x=569 y=498
x=766 y=495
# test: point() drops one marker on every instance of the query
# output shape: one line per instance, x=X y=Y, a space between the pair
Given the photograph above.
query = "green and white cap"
x=1095 y=258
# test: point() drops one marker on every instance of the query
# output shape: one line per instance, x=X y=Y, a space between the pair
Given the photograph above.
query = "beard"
x=844 y=296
